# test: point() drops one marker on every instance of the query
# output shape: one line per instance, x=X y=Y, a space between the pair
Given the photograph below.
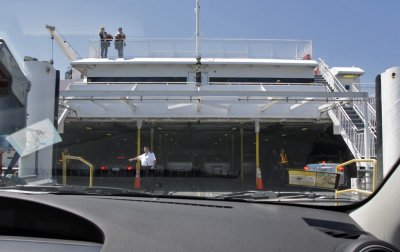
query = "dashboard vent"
x=336 y=229
x=172 y=203
x=342 y=234
x=377 y=248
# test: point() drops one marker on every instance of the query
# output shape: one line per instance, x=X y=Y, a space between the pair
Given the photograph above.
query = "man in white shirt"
x=147 y=161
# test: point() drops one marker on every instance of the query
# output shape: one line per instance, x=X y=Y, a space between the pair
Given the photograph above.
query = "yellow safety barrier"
x=373 y=161
x=69 y=157
x=352 y=190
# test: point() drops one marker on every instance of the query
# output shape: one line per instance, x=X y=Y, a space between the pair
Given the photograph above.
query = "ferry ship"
x=220 y=109
x=206 y=107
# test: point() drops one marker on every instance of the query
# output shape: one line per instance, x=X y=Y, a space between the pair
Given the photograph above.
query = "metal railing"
x=357 y=105
x=353 y=137
x=371 y=112
x=369 y=88
x=209 y=48
x=330 y=78
x=69 y=157
x=366 y=87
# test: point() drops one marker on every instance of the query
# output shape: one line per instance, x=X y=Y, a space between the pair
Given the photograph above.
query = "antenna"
x=197 y=9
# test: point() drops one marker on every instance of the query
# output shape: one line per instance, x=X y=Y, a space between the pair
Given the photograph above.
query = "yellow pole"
x=64 y=160
x=90 y=176
x=241 y=156
x=69 y=157
x=257 y=151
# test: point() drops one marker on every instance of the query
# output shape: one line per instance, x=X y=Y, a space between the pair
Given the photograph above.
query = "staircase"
x=319 y=79
x=349 y=119
x=355 y=118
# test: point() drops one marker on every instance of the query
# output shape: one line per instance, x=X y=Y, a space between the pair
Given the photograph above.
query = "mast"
x=197 y=9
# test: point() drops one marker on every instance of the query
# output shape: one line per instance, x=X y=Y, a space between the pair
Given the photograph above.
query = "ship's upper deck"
x=295 y=56
x=208 y=48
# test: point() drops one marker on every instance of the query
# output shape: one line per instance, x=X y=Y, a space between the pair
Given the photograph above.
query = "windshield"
x=246 y=100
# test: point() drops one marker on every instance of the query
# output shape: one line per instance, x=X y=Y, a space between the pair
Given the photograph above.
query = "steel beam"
x=211 y=93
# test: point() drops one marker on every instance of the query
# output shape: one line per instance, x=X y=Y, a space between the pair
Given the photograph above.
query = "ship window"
x=137 y=79
x=260 y=80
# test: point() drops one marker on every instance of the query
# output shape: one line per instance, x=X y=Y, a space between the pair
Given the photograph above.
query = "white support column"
x=40 y=102
x=367 y=139
x=61 y=120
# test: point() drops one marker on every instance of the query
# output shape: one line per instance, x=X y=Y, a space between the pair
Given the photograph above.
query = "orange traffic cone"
x=259 y=183
x=137 y=178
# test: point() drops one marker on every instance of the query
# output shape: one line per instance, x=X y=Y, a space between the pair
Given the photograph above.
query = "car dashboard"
x=47 y=222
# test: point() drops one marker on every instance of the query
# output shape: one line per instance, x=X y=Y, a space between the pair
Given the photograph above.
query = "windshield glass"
x=245 y=100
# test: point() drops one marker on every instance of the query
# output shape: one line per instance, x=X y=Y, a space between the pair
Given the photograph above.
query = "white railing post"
x=366 y=130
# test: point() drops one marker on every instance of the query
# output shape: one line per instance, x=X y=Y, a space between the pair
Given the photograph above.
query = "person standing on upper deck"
x=104 y=43
x=119 y=42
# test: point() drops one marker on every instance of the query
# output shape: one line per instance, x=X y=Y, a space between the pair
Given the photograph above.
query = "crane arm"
x=63 y=43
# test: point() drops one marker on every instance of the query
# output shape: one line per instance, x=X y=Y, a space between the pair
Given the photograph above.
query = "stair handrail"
x=355 y=137
x=347 y=117
x=324 y=69
x=348 y=128
x=371 y=113
x=369 y=104
x=351 y=131
x=371 y=119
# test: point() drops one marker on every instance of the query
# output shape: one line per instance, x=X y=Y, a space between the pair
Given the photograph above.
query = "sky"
x=363 y=33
